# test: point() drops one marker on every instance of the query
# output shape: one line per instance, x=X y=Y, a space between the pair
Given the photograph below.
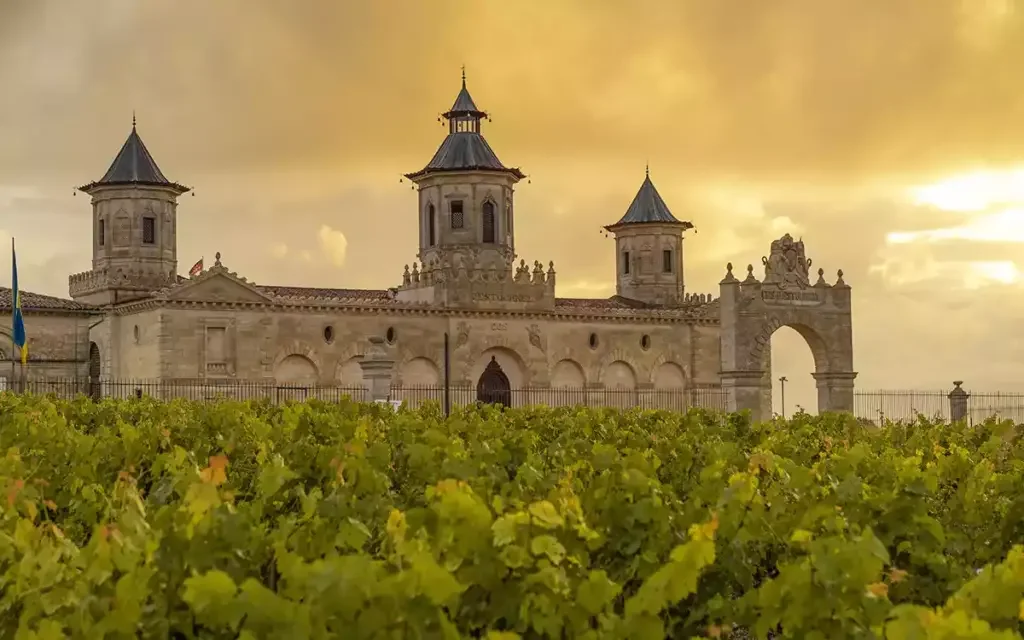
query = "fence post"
x=378 y=368
x=958 y=402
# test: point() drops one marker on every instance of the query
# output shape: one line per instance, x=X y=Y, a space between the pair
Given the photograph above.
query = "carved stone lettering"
x=497 y=297
x=499 y=326
x=792 y=297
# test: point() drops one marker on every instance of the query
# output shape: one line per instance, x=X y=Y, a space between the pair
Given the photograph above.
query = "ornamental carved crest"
x=787 y=265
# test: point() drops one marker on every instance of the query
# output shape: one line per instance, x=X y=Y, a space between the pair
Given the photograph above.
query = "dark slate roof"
x=38 y=302
x=464 y=103
x=466 y=151
x=135 y=165
x=648 y=206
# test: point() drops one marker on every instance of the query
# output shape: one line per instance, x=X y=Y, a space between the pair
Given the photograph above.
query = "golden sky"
x=888 y=133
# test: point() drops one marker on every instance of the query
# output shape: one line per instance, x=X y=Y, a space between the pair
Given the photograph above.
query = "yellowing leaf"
x=897 y=575
x=216 y=473
x=801 y=535
x=878 y=590
x=545 y=515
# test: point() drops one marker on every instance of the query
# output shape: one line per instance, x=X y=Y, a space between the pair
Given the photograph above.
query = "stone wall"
x=308 y=348
x=58 y=346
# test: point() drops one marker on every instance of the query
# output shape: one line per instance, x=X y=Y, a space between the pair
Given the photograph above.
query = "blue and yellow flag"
x=17 y=321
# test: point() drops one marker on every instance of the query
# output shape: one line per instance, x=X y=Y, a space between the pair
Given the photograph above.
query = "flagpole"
x=13 y=307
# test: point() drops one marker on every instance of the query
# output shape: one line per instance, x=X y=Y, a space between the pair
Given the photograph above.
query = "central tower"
x=467 y=225
x=465 y=195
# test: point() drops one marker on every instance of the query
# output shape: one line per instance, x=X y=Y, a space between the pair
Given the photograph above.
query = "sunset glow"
x=971 y=192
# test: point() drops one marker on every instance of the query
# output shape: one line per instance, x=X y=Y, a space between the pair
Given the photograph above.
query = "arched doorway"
x=95 y=367
x=494 y=387
x=753 y=310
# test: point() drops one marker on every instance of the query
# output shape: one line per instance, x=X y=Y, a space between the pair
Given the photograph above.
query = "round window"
x=328 y=334
x=593 y=341
x=645 y=342
x=390 y=335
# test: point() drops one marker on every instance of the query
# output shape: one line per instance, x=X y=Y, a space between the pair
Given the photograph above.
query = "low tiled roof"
x=614 y=302
x=38 y=302
x=350 y=295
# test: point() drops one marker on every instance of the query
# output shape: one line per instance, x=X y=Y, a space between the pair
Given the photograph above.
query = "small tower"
x=134 y=229
x=465 y=195
x=649 y=250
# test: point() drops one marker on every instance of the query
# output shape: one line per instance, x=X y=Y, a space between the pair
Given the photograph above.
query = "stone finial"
x=551 y=268
x=216 y=258
x=729 y=277
x=750 y=275
x=406 y=277
x=821 y=278
x=840 y=282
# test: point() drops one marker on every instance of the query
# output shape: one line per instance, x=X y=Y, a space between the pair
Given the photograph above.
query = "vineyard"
x=141 y=518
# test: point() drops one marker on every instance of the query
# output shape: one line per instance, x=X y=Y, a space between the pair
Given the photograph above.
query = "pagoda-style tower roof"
x=648 y=207
x=134 y=165
x=464 y=149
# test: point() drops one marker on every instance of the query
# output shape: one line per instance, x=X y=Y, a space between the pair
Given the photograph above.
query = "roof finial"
x=647 y=169
x=463 y=76
x=133 y=118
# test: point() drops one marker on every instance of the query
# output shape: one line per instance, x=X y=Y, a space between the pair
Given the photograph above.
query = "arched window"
x=488 y=222
x=431 y=226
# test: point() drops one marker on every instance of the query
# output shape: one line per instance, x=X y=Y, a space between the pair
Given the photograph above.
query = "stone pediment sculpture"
x=788 y=264
x=217 y=284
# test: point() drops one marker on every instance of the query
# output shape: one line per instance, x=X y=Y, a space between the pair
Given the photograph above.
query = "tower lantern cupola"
x=134 y=228
x=464 y=117
x=649 y=249
x=466 y=212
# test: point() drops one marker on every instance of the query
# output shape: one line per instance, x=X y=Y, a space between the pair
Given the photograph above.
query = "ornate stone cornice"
x=623 y=316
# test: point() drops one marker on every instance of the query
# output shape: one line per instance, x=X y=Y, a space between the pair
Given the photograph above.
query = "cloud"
x=334 y=244
x=887 y=134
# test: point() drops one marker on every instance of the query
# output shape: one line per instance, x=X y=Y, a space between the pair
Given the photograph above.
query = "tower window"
x=101 y=232
x=488 y=223
x=457 y=219
x=625 y=262
x=666 y=261
x=431 y=223
x=148 y=230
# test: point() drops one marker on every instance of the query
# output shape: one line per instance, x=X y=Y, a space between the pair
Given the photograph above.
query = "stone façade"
x=135 y=318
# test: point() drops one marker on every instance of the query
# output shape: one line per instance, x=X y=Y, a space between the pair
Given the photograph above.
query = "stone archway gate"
x=752 y=310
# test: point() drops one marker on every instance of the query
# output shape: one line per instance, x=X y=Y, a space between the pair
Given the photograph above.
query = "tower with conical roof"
x=134 y=229
x=649 y=249
x=465 y=194
x=467 y=225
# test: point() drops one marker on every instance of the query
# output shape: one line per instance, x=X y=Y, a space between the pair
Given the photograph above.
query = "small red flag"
x=196 y=269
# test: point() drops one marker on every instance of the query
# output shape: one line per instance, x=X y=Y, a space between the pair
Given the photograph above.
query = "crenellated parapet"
x=454 y=283
x=126 y=280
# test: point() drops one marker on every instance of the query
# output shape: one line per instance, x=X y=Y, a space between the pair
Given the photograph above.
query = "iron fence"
x=670 y=399
x=906 y=405
x=875 y=406
x=212 y=389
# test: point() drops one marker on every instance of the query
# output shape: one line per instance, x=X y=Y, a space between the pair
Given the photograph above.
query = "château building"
x=133 y=316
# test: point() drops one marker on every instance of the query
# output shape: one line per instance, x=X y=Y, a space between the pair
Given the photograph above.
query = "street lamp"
x=782 y=382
